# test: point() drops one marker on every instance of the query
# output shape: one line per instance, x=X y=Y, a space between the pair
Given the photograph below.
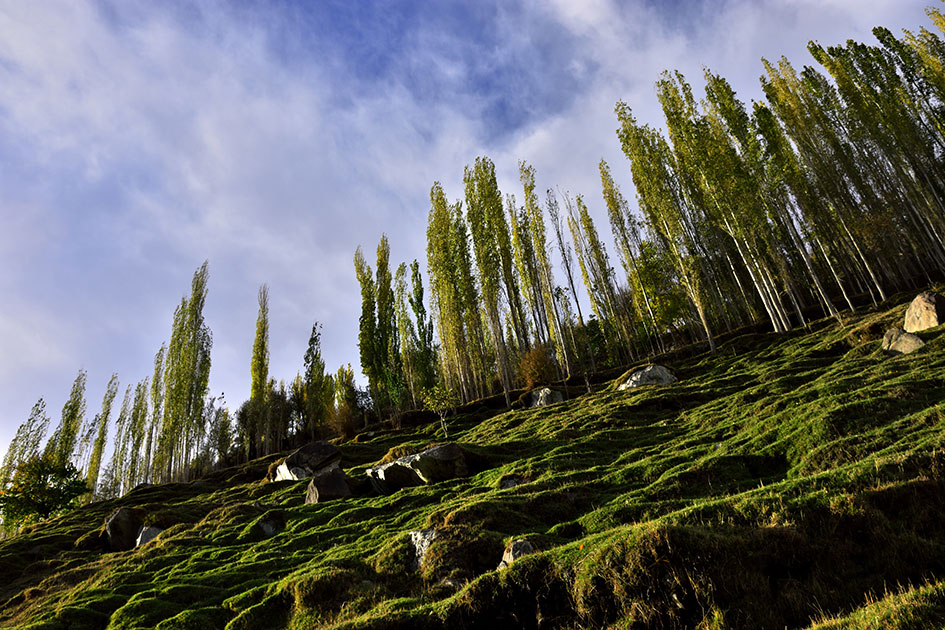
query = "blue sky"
x=139 y=138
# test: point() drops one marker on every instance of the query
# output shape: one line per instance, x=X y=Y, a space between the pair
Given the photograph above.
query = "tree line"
x=826 y=193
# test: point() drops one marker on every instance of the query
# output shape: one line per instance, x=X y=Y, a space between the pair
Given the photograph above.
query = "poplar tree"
x=542 y=267
x=388 y=341
x=186 y=378
x=157 y=409
x=62 y=445
x=101 y=437
x=425 y=347
x=371 y=361
x=26 y=443
x=318 y=389
x=484 y=212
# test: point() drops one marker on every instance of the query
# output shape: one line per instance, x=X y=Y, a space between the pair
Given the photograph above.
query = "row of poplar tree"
x=169 y=428
x=827 y=194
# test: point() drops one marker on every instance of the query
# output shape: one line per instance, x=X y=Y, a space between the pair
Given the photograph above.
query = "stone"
x=442 y=462
x=515 y=550
x=304 y=462
x=927 y=310
x=649 y=375
x=327 y=484
x=122 y=527
x=269 y=527
x=545 y=396
x=146 y=534
x=510 y=481
x=898 y=341
x=393 y=476
x=420 y=541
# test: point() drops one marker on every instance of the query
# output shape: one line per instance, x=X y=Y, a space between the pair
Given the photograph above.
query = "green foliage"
x=440 y=400
x=317 y=387
x=62 y=444
x=41 y=487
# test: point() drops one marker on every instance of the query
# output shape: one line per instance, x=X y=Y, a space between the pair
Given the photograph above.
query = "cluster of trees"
x=827 y=192
x=830 y=189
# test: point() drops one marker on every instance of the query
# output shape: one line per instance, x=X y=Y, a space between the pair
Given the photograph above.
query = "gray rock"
x=304 y=462
x=393 y=476
x=327 y=484
x=122 y=527
x=649 y=375
x=898 y=341
x=545 y=396
x=515 y=550
x=510 y=481
x=420 y=541
x=446 y=461
x=927 y=310
x=147 y=534
x=442 y=462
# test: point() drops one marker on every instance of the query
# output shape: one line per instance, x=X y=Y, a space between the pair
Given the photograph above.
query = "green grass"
x=786 y=481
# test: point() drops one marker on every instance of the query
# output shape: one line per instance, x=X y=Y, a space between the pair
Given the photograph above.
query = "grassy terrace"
x=786 y=481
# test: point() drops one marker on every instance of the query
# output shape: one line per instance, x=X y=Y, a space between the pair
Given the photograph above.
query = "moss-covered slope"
x=785 y=481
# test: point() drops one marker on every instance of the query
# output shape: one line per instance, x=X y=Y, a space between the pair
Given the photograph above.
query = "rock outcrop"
x=515 y=550
x=328 y=484
x=442 y=462
x=898 y=341
x=122 y=527
x=304 y=462
x=545 y=396
x=927 y=310
x=649 y=375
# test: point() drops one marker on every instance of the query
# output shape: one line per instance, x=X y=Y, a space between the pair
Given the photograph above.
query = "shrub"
x=536 y=367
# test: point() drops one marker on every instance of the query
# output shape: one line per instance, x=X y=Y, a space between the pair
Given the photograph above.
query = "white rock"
x=649 y=375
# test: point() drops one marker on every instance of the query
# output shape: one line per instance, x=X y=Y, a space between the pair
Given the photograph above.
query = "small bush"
x=536 y=367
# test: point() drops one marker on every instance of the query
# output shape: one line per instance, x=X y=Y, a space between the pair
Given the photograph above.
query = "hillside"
x=786 y=481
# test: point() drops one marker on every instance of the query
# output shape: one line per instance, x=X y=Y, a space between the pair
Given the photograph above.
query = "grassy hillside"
x=786 y=481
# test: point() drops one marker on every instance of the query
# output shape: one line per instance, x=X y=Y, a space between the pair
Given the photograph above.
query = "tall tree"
x=186 y=379
x=62 y=445
x=101 y=436
x=25 y=444
x=484 y=213
x=371 y=358
x=318 y=389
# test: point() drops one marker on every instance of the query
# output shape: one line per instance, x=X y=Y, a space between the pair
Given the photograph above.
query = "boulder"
x=327 y=484
x=898 y=341
x=390 y=477
x=515 y=550
x=926 y=311
x=146 y=534
x=545 y=396
x=306 y=461
x=442 y=462
x=122 y=527
x=420 y=541
x=649 y=375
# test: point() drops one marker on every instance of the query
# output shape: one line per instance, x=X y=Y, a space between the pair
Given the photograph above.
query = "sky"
x=138 y=139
